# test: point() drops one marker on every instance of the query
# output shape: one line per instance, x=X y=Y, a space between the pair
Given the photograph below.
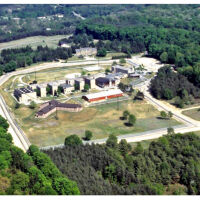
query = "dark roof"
x=55 y=104
x=103 y=80
x=65 y=85
x=20 y=91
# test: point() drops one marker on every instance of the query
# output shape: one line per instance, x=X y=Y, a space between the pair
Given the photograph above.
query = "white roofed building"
x=102 y=96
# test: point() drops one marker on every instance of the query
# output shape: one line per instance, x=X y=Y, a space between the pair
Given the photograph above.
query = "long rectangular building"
x=51 y=106
x=104 y=95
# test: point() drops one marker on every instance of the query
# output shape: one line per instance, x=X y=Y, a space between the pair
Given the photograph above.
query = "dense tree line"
x=12 y=59
x=115 y=168
x=168 y=84
x=32 y=173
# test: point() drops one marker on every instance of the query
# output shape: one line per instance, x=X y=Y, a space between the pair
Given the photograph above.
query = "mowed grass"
x=101 y=120
x=193 y=113
x=50 y=41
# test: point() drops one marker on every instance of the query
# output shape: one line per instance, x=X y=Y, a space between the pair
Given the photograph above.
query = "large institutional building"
x=104 y=95
x=51 y=107
x=25 y=95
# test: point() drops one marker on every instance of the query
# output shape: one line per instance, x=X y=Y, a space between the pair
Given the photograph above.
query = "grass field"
x=35 y=41
x=193 y=113
x=101 y=120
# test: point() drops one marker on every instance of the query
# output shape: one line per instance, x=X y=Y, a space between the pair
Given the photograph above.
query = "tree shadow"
x=127 y=124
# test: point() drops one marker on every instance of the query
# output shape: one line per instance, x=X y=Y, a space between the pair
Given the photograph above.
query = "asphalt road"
x=22 y=141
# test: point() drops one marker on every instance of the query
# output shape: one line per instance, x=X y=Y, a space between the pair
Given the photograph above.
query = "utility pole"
x=117 y=103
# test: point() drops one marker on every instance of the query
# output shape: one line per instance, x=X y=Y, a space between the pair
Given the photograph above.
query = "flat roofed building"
x=25 y=95
x=125 y=70
x=88 y=51
x=91 y=82
x=54 y=87
x=80 y=82
x=66 y=88
x=104 y=82
x=42 y=90
x=50 y=107
x=104 y=95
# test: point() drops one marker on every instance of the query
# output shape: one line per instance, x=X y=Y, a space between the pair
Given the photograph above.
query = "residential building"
x=25 y=95
x=102 y=96
x=53 y=106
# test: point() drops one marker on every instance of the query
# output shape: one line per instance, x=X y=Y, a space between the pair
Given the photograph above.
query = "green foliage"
x=111 y=141
x=3 y=123
x=124 y=147
x=122 y=61
x=170 y=131
x=32 y=173
x=126 y=114
x=65 y=187
x=132 y=119
x=86 y=87
x=72 y=140
x=164 y=57
x=88 y=135
x=163 y=114
x=32 y=105
x=5 y=159
x=101 y=52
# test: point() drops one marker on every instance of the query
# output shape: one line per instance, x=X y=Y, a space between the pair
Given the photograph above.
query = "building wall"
x=28 y=97
x=68 y=90
x=59 y=108
x=43 y=92
x=102 y=98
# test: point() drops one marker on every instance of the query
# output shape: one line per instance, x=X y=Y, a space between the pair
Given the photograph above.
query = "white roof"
x=121 y=67
x=92 y=68
x=73 y=75
x=103 y=94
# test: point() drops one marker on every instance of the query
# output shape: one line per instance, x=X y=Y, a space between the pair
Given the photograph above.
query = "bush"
x=88 y=135
x=72 y=140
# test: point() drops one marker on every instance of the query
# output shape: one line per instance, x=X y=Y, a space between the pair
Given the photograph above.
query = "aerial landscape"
x=99 y=99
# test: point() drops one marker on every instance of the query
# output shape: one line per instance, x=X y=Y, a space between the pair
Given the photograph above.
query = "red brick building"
x=104 y=95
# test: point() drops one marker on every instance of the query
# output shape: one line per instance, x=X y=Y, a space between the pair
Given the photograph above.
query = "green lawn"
x=51 y=41
x=193 y=113
x=101 y=120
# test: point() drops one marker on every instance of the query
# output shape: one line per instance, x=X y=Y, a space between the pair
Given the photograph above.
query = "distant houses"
x=88 y=51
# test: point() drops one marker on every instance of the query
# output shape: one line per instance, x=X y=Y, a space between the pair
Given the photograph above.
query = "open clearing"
x=50 y=41
x=193 y=113
x=101 y=120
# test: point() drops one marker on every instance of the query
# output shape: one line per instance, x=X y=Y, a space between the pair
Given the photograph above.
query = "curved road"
x=22 y=141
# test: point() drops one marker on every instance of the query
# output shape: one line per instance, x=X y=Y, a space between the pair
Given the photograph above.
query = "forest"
x=171 y=85
x=29 y=173
x=12 y=59
x=170 y=165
